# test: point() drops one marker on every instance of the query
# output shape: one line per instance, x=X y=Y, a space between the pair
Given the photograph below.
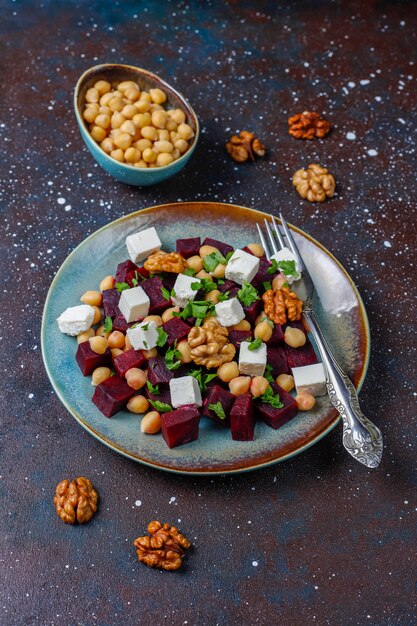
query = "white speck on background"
x=365 y=82
x=372 y=152
x=400 y=119
x=351 y=84
x=68 y=207
x=138 y=502
x=172 y=500
x=387 y=244
x=30 y=396
x=61 y=200
x=255 y=563
x=351 y=136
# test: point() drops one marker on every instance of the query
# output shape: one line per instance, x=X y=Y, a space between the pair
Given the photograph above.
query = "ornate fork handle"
x=361 y=438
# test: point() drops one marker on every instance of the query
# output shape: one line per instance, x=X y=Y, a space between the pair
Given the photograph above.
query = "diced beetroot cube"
x=214 y=395
x=119 y=323
x=153 y=289
x=262 y=275
x=237 y=336
x=180 y=426
x=177 y=329
x=127 y=360
x=112 y=395
x=88 y=360
x=230 y=286
x=188 y=247
x=168 y=280
x=158 y=371
x=242 y=418
x=277 y=417
x=246 y=249
x=296 y=357
x=277 y=337
x=252 y=311
x=111 y=299
x=164 y=394
x=277 y=358
x=223 y=248
x=126 y=272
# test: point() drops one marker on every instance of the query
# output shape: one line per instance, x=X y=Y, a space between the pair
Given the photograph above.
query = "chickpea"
x=141 y=120
x=149 y=155
x=117 y=119
x=258 y=386
x=177 y=115
x=243 y=325
x=151 y=423
x=171 y=125
x=164 y=158
x=278 y=281
x=158 y=96
x=294 y=337
x=97 y=315
x=305 y=401
x=102 y=87
x=146 y=97
x=98 y=133
x=212 y=296
x=107 y=283
x=185 y=131
x=85 y=336
x=93 y=298
x=150 y=354
x=261 y=317
x=90 y=114
x=142 y=106
x=185 y=350
x=141 y=163
x=105 y=99
x=219 y=271
x=156 y=107
x=107 y=145
x=129 y=111
x=263 y=331
x=138 y=404
x=176 y=154
x=92 y=95
x=163 y=146
x=126 y=84
x=105 y=111
x=129 y=127
x=116 y=104
x=132 y=93
x=100 y=332
x=285 y=381
x=168 y=313
x=196 y=263
x=116 y=352
x=118 y=155
x=239 y=385
x=98 y=344
x=163 y=135
x=181 y=145
x=99 y=375
x=205 y=250
x=123 y=141
x=128 y=345
x=116 y=339
x=102 y=120
x=256 y=249
x=142 y=144
x=153 y=318
x=174 y=136
x=149 y=132
x=203 y=274
x=132 y=155
x=228 y=371
x=135 y=378
x=159 y=118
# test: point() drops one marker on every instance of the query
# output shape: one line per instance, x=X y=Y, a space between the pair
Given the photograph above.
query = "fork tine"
x=277 y=232
x=263 y=242
x=271 y=237
x=291 y=243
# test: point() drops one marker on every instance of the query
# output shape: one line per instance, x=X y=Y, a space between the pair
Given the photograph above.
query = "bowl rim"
x=153 y=76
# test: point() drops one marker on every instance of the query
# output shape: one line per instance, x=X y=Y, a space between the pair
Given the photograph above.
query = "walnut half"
x=282 y=305
x=164 y=548
x=315 y=184
x=76 y=500
x=165 y=262
x=209 y=344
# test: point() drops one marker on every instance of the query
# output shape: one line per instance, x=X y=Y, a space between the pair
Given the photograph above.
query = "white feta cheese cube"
x=143 y=336
x=184 y=390
x=310 y=378
x=242 y=267
x=140 y=245
x=229 y=312
x=183 y=290
x=134 y=304
x=252 y=362
x=76 y=319
x=286 y=255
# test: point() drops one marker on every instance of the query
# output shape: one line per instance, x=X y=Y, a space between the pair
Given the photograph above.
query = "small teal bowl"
x=115 y=73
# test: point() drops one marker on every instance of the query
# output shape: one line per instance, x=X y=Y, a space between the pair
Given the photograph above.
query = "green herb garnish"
x=271 y=398
x=229 y=255
x=189 y=271
x=268 y=373
x=108 y=324
x=173 y=358
x=165 y=293
x=286 y=285
x=211 y=261
x=218 y=410
x=288 y=268
x=153 y=389
x=267 y=285
x=247 y=294
x=199 y=309
x=162 y=337
x=161 y=407
x=137 y=278
x=255 y=344
x=206 y=284
x=122 y=287
x=224 y=296
x=145 y=326
x=220 y=281
x=202 y=379
x=196 y=286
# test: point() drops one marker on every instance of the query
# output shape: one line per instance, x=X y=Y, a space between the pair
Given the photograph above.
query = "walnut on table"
x=315 y=184
x=209 y=344
x=165 y=262
x=164 y=548
x=282 y=305
x=308 y=125
x=76 y=500
x=245 y=146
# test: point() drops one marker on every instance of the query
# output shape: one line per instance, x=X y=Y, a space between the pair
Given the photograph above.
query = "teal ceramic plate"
x=340 y=311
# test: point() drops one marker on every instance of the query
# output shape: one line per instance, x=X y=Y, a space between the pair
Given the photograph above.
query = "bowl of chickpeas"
x=136 y=126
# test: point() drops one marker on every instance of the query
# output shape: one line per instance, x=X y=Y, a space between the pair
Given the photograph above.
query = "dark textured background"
x=319 y=539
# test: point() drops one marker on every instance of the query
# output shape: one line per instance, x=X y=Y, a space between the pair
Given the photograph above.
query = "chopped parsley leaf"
x=202 y=379
x=173 y=358
x=108 y=324
x=268 y=374
x=218 y=410
x=288 y=268
x=153 y=389
x=224 y=296
x=165 y=293
x=267 y=285
x=189 y=271
x=161 y=407
x=255 y=344
x=162 y=337
x=211 y=261
x=247 y=294
x=229 y=255
x=271 y=398
x=121 y=287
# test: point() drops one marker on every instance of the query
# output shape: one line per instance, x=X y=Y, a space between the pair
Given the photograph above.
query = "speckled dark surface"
x=319 y=539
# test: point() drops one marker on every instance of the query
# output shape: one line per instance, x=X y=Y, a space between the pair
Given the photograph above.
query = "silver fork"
x=361 y=438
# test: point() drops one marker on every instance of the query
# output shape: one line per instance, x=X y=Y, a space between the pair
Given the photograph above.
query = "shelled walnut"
x=308 y=125
x=244 y=146
x=75 y=500
x=315 y=184
x=164 y=548
x=282 y=305
x=165 y=262
x=209 y=344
